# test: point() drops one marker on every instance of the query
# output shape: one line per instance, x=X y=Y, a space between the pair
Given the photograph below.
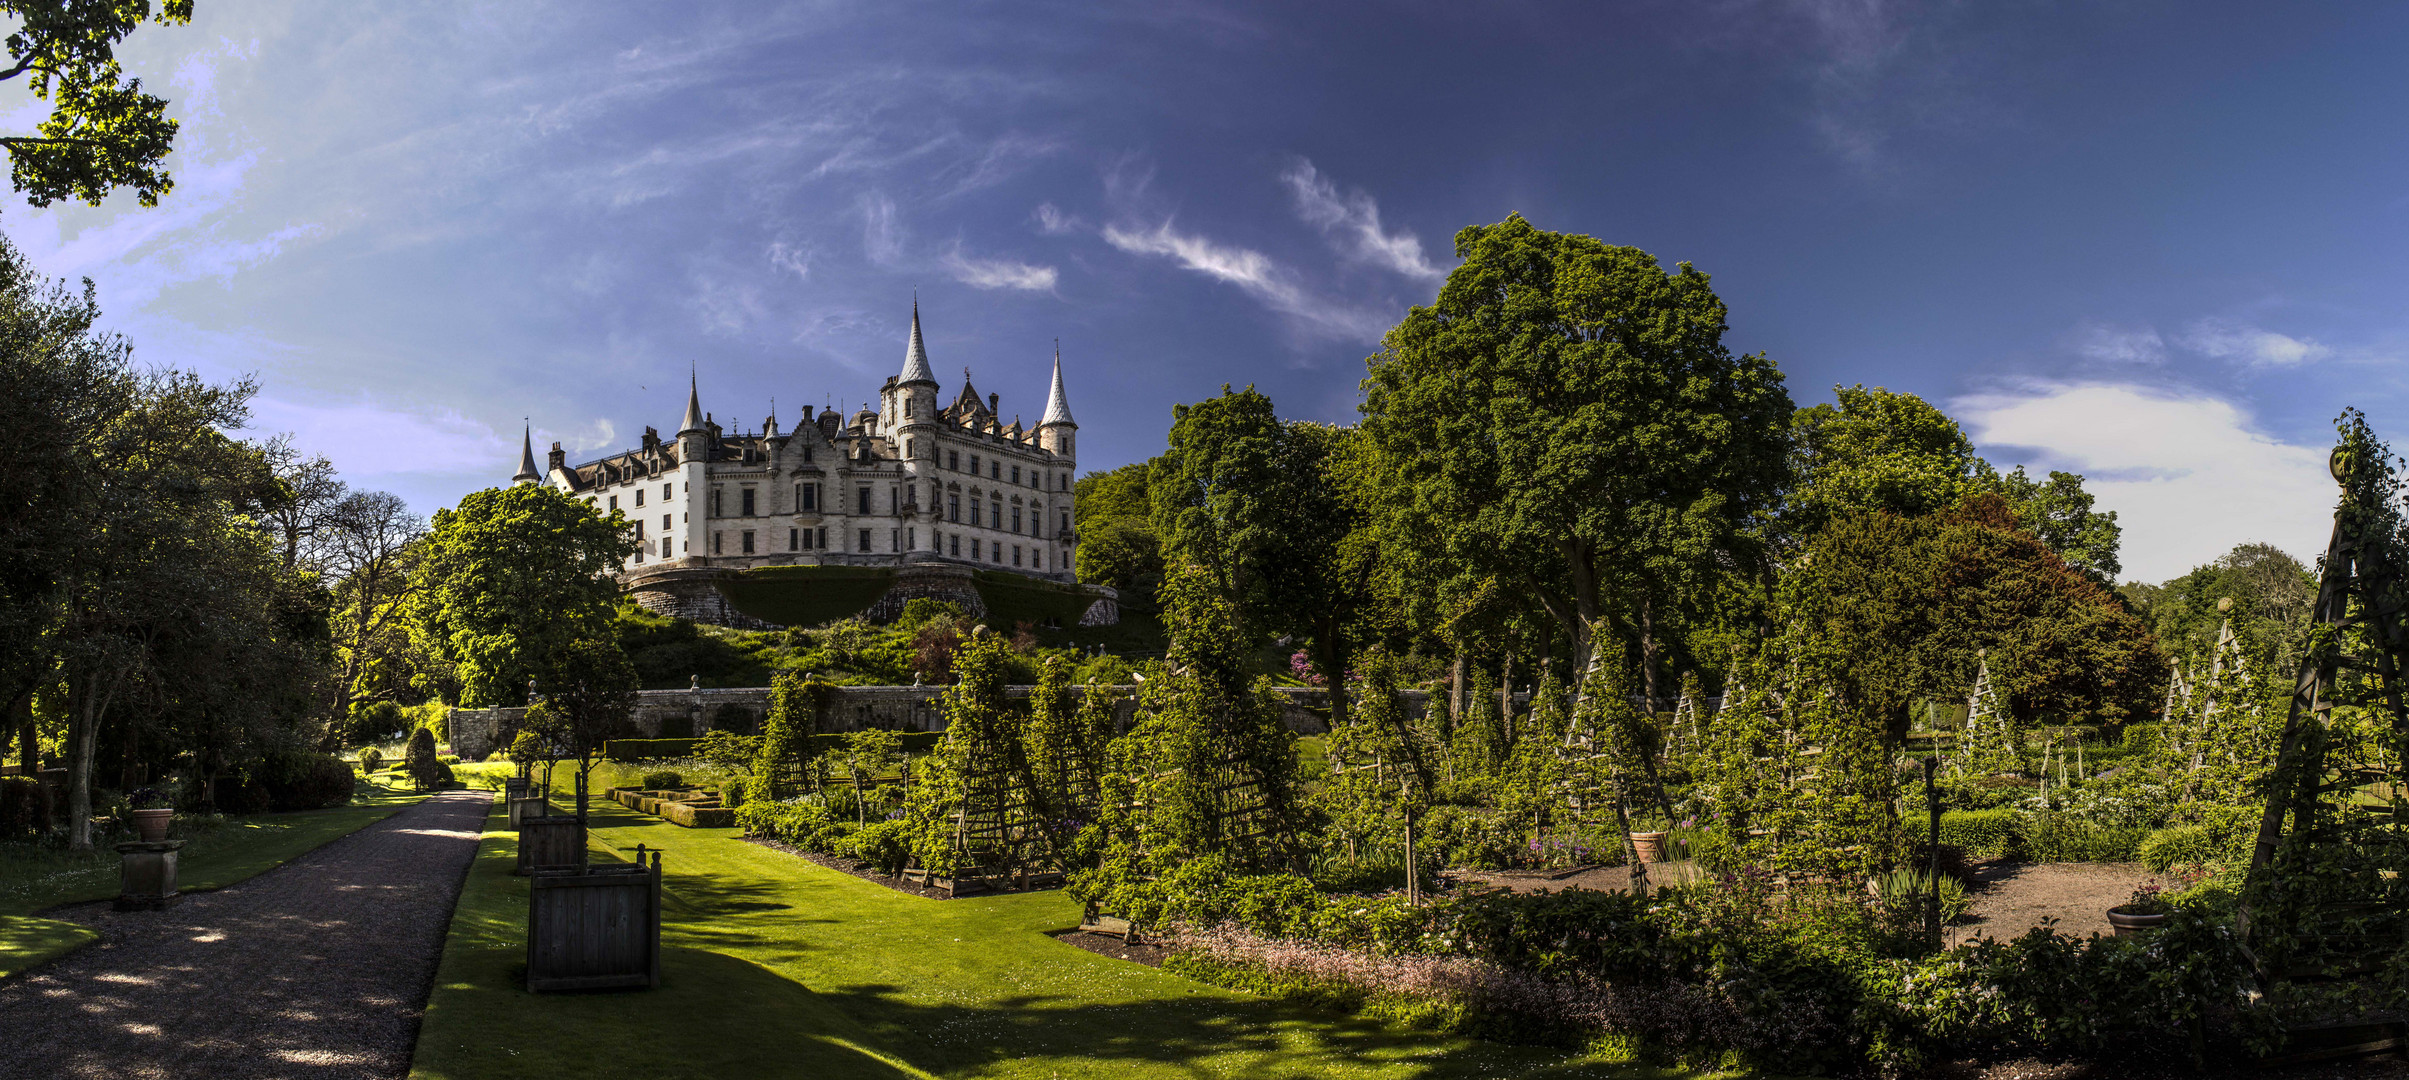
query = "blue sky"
x=2156 y=243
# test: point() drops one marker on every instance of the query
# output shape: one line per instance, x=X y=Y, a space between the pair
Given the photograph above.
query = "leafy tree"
x=2272 y=595
x=1566 y=421
x=419 y=760
x=511 y=576
x=1875 y=450
x=794 y=715
x=2058 y=512
x=592 y=687
x=1117 y=542
x=103 y=132
x=364 y=545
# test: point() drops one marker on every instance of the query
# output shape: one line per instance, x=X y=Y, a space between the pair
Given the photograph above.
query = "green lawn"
x=775 y=967
x=213 y=858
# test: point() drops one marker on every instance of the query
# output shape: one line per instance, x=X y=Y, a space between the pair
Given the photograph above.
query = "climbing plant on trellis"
x=2329 y=874
x=1380 y=774
x=1991 y=743
x=972 y=813
x=778 y=763
x=1064 y=747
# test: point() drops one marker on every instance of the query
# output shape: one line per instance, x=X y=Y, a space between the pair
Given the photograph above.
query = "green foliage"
x=2191 y=845
x=663 y=780
x=1565 y=426
x=728 y=751
x=1013 y=599
x=1117 y=542
x=971 y=804
x=371 y=759
x=376 y=721
x=919 y=610
x=419 y=761
x=1983 y=834
x=1063 y=746
x=103 y=132
x=650 y=749
x=794 y=716
x=511 y=577
x=886 y=845
x=1877 y=451
x=807 y=595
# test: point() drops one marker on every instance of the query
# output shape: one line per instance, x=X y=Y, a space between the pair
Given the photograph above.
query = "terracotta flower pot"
x=1651 y=846
x=152 y=824
x=2129 y=923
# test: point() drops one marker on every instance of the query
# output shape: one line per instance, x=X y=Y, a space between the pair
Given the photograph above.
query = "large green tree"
x=103 y=131
x=1564 y=424
x=1117 y=542
x=510 y=577
x=1267 y=509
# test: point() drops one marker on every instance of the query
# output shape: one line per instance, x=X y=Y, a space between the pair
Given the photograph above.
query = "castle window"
x=956 y=545
x=665 y=549
x=807 y=453
x=819 y=539
x=862 y=501
x=748 y=502
x=974 y=509
x=714 y=543
x=811 y=496
x=748 y=541
x=953 y=460
x=668 y=491
x=1016 y=519
x=1016 y=474
x=639 y=496
x=664 y=523
x=715 y=502
x=1066 y=524
x=995 y=470
x=794 y=539
x=865 y=541
x=614 y=502
x=911 y=539
x=953 y=508
x=909 y=446
x=995 y=552
x=1016 y=554
x=998 y=508
x=974 y=464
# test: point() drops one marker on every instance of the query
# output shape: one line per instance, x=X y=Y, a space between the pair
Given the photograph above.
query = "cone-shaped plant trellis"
x=1991 y=745
x=973 y=818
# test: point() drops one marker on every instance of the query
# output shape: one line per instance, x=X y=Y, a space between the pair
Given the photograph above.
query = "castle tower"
x=693 y=496
x=527 y=473
x=911 y=402
x=1056 y=430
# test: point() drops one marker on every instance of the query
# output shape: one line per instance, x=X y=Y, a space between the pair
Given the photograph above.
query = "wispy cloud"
x=882 y=235
x=794 y=258
x=372 y=440
x=2118 y=344
x=1253 y=273
x=2229 y=340
x=998 y=273
x=1353 y=223
x=1052 y=221
x=2188 y=474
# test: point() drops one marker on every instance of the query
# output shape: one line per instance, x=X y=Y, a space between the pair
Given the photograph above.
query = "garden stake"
x=1932 y=798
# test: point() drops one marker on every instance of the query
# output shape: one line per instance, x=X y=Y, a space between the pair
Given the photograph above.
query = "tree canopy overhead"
x=103 y=131
x=1565 y=421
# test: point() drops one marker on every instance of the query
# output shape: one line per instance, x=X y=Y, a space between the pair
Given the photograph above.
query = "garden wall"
x=478 y=732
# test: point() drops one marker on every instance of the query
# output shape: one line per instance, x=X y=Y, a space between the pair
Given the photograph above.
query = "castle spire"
x=527 y=473
x=915 y=357
x=694 y=408
x=1058 y=404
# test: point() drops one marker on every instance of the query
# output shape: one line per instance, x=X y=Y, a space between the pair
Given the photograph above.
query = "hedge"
x=648 y=749
x=806 y=595
x=1983 y=834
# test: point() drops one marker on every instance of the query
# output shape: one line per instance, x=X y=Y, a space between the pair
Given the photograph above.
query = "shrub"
x=303 y=781
x=2187 y=845
x=1983 y=834
x=731 y=794
x=663 y=780
x=434 y=717
x=371 y=759
x=419 y=758
x=886 y=845
x=648 y=749
x=377 y=721
x=2057 y=837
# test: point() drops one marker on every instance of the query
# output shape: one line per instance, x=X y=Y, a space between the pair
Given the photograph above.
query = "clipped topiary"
x=371 y=759
x=663 y=780
x=419 y=759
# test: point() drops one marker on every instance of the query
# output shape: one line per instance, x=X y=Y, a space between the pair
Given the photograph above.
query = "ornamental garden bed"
x=688 y=807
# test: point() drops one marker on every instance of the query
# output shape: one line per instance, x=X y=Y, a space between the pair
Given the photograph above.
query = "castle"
x=913 y=484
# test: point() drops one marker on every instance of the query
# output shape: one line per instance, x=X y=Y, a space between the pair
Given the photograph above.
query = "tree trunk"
x=1647 y=655
x=1457 y=674
x=1505 y=702
x=1330 y=654
x=20 y=711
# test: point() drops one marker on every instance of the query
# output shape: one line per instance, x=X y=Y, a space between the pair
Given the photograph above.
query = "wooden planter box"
x=551 y=843
x=595 y=927
x=523 y=807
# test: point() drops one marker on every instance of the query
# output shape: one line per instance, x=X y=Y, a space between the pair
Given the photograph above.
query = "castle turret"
x=911 y=400
x=1055 y=429
x=527 y=473
x=693 y=527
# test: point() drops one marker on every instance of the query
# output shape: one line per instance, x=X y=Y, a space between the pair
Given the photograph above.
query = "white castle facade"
x=914 y=482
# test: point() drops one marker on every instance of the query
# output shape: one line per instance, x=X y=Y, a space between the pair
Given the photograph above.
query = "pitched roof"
x=1058 y=404
x=694 y=409
x=915 y=357
x=527 y=471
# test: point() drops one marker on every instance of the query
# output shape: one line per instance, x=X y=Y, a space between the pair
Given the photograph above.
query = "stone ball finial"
x=694 y=682
x=2225 y=603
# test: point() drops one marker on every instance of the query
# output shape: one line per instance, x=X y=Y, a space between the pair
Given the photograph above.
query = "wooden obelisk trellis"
x=2307 y=913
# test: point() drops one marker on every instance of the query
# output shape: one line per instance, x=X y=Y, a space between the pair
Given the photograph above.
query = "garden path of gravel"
x=317 y=969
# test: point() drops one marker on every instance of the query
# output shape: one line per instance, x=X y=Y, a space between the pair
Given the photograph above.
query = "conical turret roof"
x=915 y=357
x=1058 y=404
x=694 y=408
x=527 y=473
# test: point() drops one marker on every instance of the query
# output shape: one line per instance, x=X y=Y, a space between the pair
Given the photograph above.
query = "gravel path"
x=319 y=968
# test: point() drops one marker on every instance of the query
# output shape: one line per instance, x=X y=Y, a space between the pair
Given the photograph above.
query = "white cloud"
x=2229 y=340
x=998 y=273
x=794 y=257
x=1255 y=274
x=1354 y=222
x=2119 y=345
x=2185 y=473
x=882 y=237
x=1053 y=222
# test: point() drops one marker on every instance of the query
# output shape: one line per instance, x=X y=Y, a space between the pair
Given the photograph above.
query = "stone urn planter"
x=1650 y=845
x=2129 y=922
x=151 y=825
